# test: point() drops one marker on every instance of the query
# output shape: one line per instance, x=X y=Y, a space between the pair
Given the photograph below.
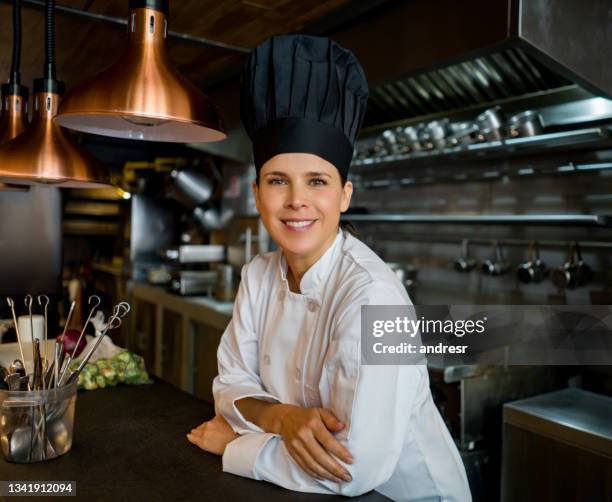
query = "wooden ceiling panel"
x=84 y=47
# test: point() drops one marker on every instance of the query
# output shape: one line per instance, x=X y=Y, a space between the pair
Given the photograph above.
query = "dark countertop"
x=130 y=443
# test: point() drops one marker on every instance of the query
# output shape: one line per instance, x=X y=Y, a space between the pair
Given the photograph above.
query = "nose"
x=296 y=197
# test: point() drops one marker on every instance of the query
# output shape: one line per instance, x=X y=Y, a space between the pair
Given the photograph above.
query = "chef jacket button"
x=312 y=305
x=298 y=373
x=266 y=359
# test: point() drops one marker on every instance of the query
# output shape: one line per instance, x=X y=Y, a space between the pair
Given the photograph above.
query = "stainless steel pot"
x=527 y=123
x=491 y=124
x=534 y=269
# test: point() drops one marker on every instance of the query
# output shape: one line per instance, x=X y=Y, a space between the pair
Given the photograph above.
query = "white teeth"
x=299 y=223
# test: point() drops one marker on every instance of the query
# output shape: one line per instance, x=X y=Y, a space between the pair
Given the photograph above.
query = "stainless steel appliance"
x=194 y=282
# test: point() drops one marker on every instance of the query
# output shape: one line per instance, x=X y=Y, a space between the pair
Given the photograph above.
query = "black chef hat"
x=303 y=94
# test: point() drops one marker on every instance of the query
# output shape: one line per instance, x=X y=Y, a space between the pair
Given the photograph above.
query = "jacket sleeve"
x=374 y=401
x=238 y=365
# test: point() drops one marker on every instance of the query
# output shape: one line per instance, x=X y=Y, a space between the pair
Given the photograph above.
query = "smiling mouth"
x=298 y=225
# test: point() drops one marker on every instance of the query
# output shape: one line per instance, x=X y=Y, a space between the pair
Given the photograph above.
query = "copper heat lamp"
x=14 y=96
x=142 y=96
x=45 y=153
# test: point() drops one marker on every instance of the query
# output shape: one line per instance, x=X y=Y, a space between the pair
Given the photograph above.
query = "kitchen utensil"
x=17 y=366
x=438 y=132
x=12 y=305
x=574 y=272
x=43 y=300
x=491 y=124
x=464 y=263
x=411 y=135
x=37 y=376
x=195 y=253
x=37 y=425
x=59 y=358
x=584 y=273
x=527 y=123
x=462 y=133
x=211 y=218
x=76 y=347
x=534 y=269
x=194 y=282
x=496 y=265
x=194 y=188
x=114 y=322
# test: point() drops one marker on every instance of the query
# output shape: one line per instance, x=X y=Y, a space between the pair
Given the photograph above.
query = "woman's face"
x=300 y=197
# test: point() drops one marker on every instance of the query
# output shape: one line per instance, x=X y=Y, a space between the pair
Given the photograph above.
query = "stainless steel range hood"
x=427 y=58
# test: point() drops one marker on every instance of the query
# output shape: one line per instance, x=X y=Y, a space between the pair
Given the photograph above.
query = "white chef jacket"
x=304 y=349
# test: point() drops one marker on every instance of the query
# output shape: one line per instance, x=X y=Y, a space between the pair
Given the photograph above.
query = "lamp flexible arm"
x=15 y=77
x=50 y=39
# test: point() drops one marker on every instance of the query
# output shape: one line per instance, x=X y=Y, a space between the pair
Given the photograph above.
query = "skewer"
x=59 y=362
x=71 y=356
x=46 y=304
x=12 y=305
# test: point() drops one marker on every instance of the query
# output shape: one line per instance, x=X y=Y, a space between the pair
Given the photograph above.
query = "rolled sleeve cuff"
x=241 y=454
x=232 y=414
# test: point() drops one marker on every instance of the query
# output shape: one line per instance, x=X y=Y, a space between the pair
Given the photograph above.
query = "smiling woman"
x=300 y=197
x=294 y=405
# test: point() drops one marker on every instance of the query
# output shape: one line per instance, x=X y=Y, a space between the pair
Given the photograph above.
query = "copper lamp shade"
x=14 y=116
x=142 y=96
x=45 y=153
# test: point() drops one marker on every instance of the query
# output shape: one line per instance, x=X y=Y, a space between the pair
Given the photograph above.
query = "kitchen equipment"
x=195 y=253
x=556 y=446
x=462 y=133
x=76 y=347
x=438 y=130
x=464 y=263
x=194 y=282
x=491 y=124
x=26 y=323
x=43 y=300
x=574 y=272
x=37 y=425
x=496 y=265
x=12 y=305
x=410 y=136
x=211 y=218
x=527 y=123
x=534 y=269
x=226 y=286
x=192 y=187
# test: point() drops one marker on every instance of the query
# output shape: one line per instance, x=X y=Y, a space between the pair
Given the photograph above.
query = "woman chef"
x=294 y=406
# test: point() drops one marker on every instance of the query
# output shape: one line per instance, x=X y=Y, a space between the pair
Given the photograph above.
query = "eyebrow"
x=310 y=173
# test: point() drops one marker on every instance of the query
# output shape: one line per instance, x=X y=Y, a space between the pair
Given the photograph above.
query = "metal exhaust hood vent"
x=448 y=57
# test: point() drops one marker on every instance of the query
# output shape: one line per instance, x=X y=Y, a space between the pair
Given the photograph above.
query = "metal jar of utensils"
x=37 y=400
x=37 y=425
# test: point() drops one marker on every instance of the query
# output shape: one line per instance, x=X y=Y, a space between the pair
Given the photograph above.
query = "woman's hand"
x=307 y=433
x=213 y=436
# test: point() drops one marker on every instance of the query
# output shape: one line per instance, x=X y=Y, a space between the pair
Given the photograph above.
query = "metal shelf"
x=538 y=143
x=507 y=219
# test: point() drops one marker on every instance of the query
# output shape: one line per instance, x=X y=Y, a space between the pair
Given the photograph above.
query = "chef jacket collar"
x=318 y=272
